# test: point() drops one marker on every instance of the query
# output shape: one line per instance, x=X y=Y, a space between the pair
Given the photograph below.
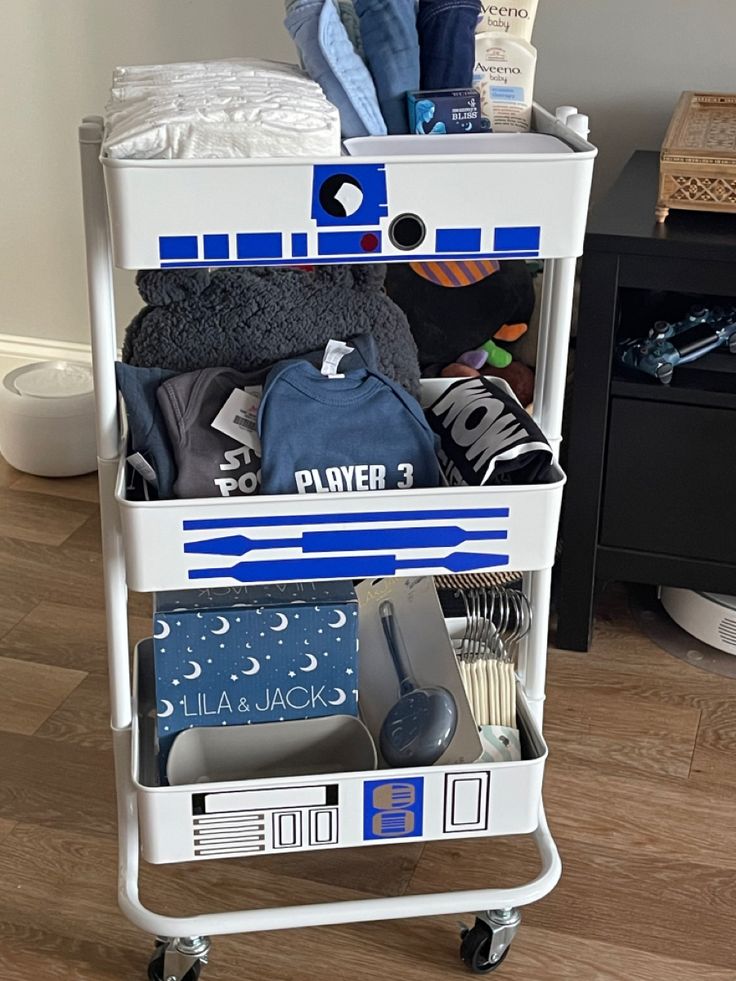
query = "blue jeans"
x=447 y=42
x=328 y=57
x=389 y=32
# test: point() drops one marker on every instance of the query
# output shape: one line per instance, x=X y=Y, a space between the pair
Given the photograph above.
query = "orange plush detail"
x=511 y=333
x=454 y=275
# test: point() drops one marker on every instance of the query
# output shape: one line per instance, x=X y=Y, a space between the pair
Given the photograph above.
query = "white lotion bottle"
x=514 y=19
x=505 y=69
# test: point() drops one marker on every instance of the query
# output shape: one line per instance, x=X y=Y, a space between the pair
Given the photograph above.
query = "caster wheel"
x=475 y=949
x=156 y=967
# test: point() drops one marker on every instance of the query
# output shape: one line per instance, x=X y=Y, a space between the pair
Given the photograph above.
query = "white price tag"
x=238 y=418
x=334 y=353
x=139 y=463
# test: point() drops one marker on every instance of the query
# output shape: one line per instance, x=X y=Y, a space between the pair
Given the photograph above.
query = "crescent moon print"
x=196 y=671
x=341 y=696
x=283 y=623
x=168 y=709
x=255 y=667
x=311 y=665
x=341 y=620
x=225 y=626
x=165 y=630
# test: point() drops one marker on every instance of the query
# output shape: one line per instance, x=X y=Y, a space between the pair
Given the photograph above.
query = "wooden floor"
x=640 y=789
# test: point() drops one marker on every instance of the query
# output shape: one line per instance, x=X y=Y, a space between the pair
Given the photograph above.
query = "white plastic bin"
x=182 y=544
x=461 y=205
x=292 y=814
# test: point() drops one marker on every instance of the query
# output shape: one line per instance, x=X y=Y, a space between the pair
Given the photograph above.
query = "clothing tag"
x=139 y=463
x=334 y=353
x=238 y=418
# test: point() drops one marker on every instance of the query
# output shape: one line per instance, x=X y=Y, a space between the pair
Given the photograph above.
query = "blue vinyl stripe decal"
x=217 y=247
x=458 y=240
x=347 y=243
x=178 y=247
x=299 y=245
x=506 y=239
x=260 y=245
x=345 y=260
x=205 y=524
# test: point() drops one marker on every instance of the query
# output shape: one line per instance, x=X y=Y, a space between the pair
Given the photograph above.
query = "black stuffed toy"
x=447 y=322
x=251 y=318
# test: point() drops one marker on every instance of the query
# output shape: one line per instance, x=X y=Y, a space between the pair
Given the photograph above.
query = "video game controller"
x=669 y=345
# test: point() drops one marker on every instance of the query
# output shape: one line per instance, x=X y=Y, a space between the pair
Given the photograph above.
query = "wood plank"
x=68 y=636
x=714 y=768
x=34 y=573
x=646 y=815
x=5 y=828
x=71 y=488
x=83 y=718
x=8 y=474
x=606 y=727
x=608 y=895
x=30 y=693
x=59 y=789
x=32 y=518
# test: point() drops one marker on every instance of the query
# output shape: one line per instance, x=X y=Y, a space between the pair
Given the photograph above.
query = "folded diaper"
x=222 y=109
x=328 y=56
x=389 y=32
x=447 y=42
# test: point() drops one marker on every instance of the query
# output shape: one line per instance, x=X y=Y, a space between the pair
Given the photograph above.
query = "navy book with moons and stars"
x=250 y=654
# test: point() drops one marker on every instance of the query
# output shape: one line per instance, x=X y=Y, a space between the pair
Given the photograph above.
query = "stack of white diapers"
x=218 y=109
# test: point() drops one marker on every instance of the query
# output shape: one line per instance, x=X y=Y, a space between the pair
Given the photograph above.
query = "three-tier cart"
x=502 y=202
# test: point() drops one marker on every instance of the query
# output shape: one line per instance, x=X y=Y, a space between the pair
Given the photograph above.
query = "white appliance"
x=710 y=617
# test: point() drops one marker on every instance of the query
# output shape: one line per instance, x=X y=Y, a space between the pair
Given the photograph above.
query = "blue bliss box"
x=248 y=654
x=442 y=111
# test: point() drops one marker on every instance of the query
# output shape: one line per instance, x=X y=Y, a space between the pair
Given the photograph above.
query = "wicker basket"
x=698 y=166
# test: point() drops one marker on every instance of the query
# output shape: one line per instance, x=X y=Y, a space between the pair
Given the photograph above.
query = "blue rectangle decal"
x=393 y=809
x=458 y=240
x=178 y=247
x=260 y=245
x=299 y=245
x=518 y=239
x=216 y=247
x=348 y=243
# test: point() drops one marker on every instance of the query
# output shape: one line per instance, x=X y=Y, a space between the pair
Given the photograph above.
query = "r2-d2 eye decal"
x=349 y=196
x=341 y=196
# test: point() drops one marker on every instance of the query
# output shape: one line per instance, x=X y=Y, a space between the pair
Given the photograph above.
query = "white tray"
x=507 y=204
x=292 y=814
x=428 y=533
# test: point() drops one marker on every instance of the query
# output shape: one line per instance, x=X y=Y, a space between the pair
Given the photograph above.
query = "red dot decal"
x=369 y=243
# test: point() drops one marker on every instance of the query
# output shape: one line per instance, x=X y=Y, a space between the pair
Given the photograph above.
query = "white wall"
x=623 y=61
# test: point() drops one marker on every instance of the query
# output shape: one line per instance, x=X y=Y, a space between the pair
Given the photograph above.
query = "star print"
x=222 y=646
x=176 y=682
x=209 y=660
x=182 y=702
x=268 y=657
x=166 y=728
x=281 y=643
x=203 y=637
x=292 y=674
x=233 y=677
x=296 y=616
x=320 y=631
x=349 y=671
x=163 y=650
x=325 y=654
x=178 y=623
x=262 y=634
x=237 y=619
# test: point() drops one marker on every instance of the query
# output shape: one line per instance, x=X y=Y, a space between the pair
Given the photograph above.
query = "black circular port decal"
x=341 y=196
x=407 y=232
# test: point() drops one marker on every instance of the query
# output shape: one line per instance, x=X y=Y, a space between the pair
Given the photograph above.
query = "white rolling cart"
x=525 y=200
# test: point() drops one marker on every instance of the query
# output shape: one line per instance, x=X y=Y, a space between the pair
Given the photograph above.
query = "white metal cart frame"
x=186 y=937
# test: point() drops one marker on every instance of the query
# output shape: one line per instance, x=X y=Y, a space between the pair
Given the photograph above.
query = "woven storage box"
x=698 y=167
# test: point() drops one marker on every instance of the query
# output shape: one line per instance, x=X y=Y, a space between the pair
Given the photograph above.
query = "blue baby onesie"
x=323 y=435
